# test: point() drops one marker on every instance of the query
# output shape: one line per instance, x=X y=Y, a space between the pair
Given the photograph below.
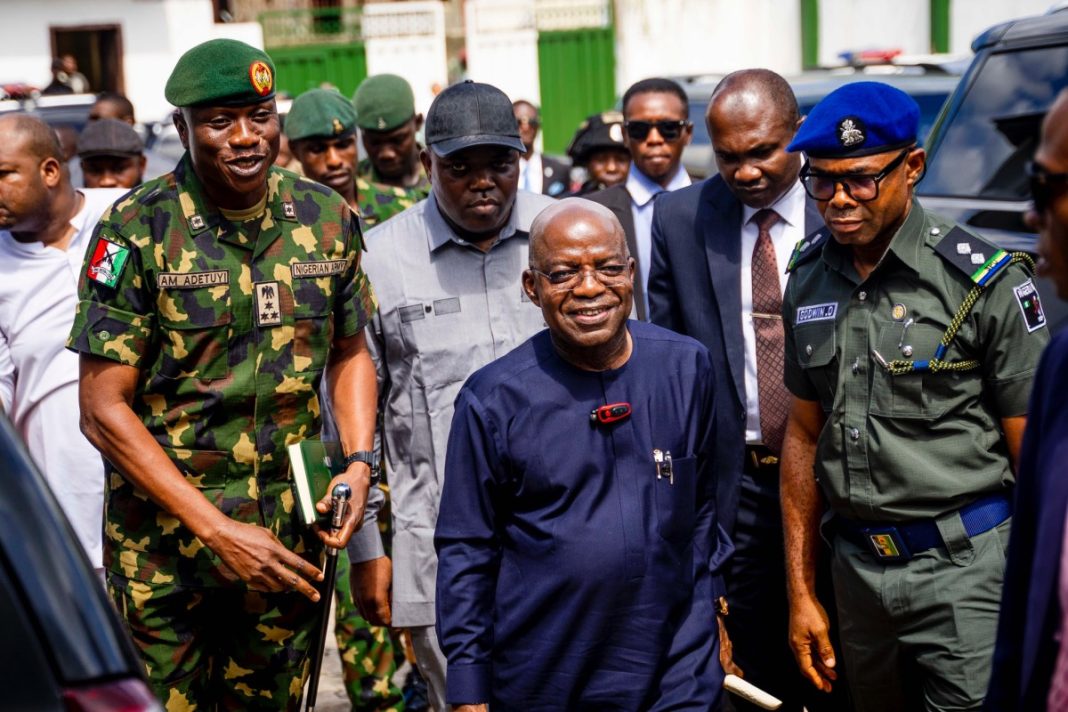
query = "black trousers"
x=758 y=622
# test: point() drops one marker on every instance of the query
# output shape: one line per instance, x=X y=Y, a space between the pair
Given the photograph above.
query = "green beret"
x=383 y=102
x=221 y=72
x=320 y=113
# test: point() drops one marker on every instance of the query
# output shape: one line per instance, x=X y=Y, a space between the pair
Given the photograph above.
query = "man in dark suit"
x=538 y=173
x=1030 y=663
x=720 y=250
x=656 y=128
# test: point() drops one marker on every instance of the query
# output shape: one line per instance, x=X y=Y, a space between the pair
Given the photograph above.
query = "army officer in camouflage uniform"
x=910 y=347
x=212 y=301
x=391 y=179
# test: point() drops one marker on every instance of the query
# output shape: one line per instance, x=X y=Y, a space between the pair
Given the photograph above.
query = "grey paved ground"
x=332 y=697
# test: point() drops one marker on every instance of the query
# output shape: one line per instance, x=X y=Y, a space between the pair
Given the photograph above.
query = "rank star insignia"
x=266 y=302
x=963 y=248
x=850 y=132
x=338 y=128
x=196 y=222
x=289 y=210
x=978 y=258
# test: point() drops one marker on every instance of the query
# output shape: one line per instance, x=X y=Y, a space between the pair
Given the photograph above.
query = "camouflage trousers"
x=367 y=659
x=218 y=649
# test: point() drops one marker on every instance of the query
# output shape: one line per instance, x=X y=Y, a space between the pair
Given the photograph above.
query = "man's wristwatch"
x=368 y=458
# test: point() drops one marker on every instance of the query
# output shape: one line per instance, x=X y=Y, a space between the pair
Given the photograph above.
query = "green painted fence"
x=577 y=78
x=310 y=47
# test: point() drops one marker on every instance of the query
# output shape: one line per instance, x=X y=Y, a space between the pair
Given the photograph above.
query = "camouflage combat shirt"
x=230 y=326
x=378 y=201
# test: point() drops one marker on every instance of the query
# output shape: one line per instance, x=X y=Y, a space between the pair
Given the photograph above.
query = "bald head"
x=36 y=137
x=760 y=89
x=580 y=218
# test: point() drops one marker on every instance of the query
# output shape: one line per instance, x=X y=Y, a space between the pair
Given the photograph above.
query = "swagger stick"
x=339 y=499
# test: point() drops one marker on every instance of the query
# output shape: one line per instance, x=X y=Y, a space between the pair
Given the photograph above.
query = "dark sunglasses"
x=524 y=121
x=668 y=130
x=861 y=187
x=1043 y=184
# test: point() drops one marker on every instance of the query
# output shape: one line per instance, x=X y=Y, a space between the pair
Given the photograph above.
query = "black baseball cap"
x=109 y=137
x=471 y=114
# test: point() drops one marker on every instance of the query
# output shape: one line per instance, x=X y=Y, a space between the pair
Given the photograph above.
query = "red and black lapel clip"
x=611 y=413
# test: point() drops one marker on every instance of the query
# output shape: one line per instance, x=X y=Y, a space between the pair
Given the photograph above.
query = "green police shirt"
x=378 y=201
x=230 y=327
x=900 y=447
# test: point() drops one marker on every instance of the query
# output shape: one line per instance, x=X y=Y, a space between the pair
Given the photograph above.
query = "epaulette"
x=807 y=249
x=973 y=255
x=151 y=196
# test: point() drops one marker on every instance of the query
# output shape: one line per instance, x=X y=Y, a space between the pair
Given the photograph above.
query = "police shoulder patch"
x=807 y=249
x=978 y=259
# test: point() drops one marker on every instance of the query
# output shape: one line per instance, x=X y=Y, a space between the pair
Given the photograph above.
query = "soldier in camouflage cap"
x=212 y=302
x=391 y=178
x=321 y=127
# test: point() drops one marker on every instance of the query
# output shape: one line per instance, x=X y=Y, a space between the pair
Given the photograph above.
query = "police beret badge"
x=260 y=76
x=851 y=132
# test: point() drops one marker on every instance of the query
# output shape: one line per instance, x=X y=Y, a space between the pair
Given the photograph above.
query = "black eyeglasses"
x=669 y=130
x=1043 y=184
x=609 y=275
x=861 y=187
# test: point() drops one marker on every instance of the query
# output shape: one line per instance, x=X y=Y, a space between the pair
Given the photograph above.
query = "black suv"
x=63 y=647
x=989 y=129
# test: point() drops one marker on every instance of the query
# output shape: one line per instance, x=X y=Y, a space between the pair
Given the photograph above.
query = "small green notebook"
x=314 y=463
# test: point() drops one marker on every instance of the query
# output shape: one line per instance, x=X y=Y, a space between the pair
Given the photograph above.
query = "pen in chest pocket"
x=662 y=459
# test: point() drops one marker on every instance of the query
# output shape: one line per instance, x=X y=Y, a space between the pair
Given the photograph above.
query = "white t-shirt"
x=785 y=234
x=39 y=377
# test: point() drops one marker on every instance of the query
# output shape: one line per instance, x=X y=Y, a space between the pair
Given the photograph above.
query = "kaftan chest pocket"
x=902 y=396
x=194 y=333
x=815 y=345
x=676 y=500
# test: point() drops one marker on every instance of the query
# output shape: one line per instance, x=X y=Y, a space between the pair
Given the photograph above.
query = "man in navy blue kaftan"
x=578 y=555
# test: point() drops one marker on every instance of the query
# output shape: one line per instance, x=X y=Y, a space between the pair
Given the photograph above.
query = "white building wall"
x=688 y=37
x=502 y=46
x=852 y=25
x=408 y=39
x=154 y=35
x=968 y=19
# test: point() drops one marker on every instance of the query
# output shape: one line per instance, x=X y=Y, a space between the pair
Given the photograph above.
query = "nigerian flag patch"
x=107 y=262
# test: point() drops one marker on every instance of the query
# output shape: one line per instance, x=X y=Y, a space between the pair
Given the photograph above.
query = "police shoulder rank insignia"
x=851 y=132
x=107 y=261
x=972 y=255
x=806 y=249
x=259 y=75
x=268 y=309
x=1031 y=306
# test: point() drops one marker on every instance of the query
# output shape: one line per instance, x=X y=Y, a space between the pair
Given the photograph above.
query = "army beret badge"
x=338 y=127
x=260 y=76
x=851 y=132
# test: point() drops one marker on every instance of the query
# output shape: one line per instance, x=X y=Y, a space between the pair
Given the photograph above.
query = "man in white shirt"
x=45 y=225
x=656 y=128
x=538 y=173
x=719 y=257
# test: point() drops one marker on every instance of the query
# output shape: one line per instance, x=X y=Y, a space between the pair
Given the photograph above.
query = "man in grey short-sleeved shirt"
x=448 y=276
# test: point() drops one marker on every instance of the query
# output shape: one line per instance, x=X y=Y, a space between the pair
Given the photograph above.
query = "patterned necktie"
x=773 y=398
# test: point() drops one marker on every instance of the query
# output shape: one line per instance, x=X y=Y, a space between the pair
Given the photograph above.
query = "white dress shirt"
x=642 y=190
x=39 y=377
x=785 y=234
x=531 y=173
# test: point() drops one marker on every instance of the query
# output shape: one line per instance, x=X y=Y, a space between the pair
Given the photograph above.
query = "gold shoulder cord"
x=900 y=367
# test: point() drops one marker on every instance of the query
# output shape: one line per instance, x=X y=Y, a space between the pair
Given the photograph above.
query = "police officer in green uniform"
x=321 y=127
x=910 y=346
x=212 y=301
x=391 y=178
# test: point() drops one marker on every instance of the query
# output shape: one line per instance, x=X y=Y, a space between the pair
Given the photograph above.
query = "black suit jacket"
x=555 y=177
x=618 y=200
x=695 y=289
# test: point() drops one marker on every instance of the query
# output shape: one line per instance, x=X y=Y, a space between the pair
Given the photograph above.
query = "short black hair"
x=118 y=99
x=655 y=85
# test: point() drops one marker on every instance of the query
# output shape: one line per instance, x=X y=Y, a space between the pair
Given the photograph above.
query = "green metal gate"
x=577 y=71
x=316 y=46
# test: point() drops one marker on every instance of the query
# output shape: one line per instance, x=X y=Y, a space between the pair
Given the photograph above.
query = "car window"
x=988 y=141
x=700 y=129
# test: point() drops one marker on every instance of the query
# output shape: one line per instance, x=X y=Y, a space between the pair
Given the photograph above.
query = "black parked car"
x=989 y=129
x=63 y=647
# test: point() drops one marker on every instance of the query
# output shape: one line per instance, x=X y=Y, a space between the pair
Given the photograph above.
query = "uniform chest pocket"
x=676 y=501
x=815 y=352
x=436 y=334
x=903 y=396
x=195 y=333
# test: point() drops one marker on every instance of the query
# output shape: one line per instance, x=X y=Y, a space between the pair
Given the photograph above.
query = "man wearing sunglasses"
x=911 y=344
x=656 y=127
x=1031 y=657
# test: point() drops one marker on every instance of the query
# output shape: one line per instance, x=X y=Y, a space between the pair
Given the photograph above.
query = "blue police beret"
x=859 y=119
